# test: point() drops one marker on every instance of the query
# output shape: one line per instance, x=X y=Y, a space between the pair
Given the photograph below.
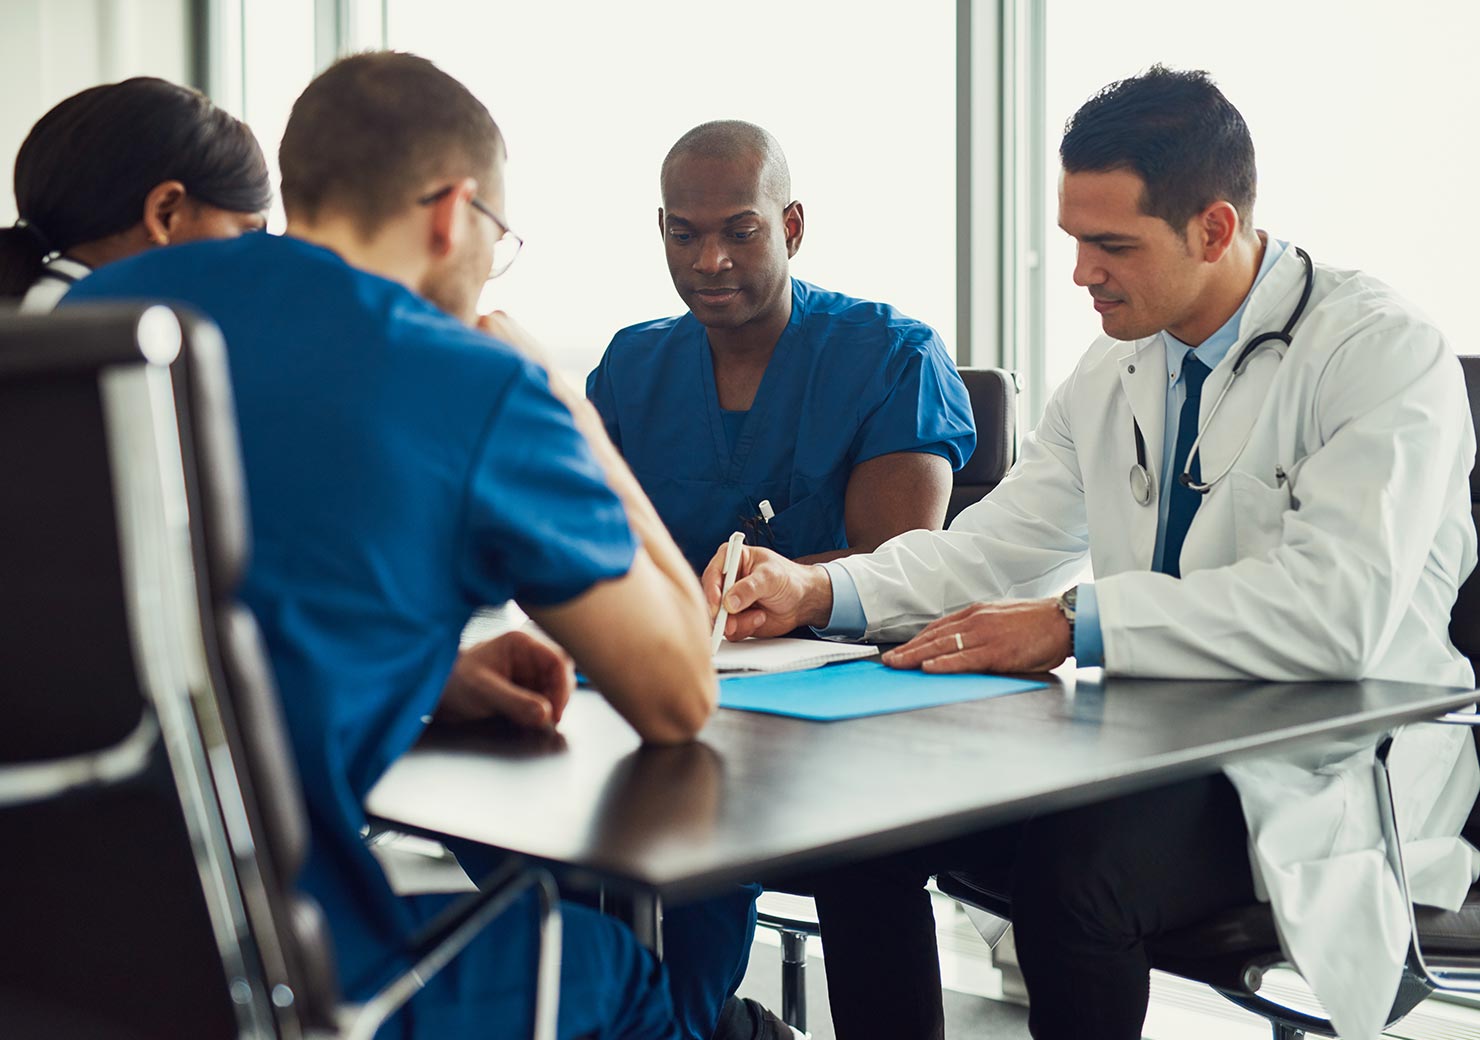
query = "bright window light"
x=590 y=96
x=1362 y=115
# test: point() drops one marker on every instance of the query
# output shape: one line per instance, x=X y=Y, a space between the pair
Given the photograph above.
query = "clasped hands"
x=516 y=676
x=773 y=595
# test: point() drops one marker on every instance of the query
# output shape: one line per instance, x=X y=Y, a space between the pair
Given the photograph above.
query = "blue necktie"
x=1183 y=501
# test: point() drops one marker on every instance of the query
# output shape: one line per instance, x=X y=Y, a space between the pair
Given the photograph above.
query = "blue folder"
x=856 y=689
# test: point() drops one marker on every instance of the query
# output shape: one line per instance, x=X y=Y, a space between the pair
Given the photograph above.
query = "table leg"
x=794 y=979
x=640 y=911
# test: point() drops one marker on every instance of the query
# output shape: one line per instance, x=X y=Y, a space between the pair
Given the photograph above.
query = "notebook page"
x=785 y=655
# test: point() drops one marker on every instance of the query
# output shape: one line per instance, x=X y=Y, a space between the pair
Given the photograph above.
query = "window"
x=1361 y=115
x=258 y=58
x=591 y=96
x=50 y=51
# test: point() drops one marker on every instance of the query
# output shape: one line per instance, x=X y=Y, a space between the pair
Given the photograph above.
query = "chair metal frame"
x=794 y=933
x=1420 y=978
x=1421 y=975
x=1461 y=978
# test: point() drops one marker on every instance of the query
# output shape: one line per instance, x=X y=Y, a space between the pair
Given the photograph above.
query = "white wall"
x=590 y=94
x=50 y=49
x=1363 y=118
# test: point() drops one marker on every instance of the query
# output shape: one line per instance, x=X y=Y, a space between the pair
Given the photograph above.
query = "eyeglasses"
x=505 y=250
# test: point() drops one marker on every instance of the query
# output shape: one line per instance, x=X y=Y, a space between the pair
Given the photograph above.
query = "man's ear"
x=1216 y=228
x=163 y=210
x=662 y=232
x=794 y=223
x=448 y=222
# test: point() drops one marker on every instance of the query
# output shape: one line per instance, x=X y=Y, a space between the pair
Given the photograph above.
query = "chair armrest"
x=449 y=933
x=26 y=783
x=1462 y=979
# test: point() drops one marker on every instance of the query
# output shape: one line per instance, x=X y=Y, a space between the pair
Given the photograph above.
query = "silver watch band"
x=1068 y=605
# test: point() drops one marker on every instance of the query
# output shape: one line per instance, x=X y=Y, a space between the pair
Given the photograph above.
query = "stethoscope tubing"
x=1140 y=476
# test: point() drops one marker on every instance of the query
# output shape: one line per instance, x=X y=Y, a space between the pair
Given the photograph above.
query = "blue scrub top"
x=402 y=471
x=849 y=380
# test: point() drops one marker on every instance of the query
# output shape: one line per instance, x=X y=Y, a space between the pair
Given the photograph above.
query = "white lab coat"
x=1346 y=568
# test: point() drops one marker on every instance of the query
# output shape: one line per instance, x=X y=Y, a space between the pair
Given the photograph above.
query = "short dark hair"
x=367 y=132
x=86 y=167
x=1178 y=133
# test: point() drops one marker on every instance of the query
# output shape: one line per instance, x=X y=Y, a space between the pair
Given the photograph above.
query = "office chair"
x=993 y=393
x=1232 y=951
x=151 y=814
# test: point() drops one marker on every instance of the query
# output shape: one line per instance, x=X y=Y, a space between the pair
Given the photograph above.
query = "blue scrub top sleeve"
x=847 y=620
x=924 y=408
x=541 y=519
x=1089 y=645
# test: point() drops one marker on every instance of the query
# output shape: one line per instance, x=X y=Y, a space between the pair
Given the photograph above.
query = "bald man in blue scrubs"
x=819 y=424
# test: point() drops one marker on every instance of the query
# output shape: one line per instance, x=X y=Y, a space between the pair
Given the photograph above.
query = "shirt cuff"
x=847 y=620
x=1089 y=647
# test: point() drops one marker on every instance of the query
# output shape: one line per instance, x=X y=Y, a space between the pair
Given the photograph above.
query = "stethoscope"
x=1141 y=476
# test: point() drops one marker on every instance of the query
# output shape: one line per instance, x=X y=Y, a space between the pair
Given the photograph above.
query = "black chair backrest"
x=993 y=393
x=136 y=899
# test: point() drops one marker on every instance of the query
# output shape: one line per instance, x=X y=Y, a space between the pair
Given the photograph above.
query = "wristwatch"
x=1068 y=605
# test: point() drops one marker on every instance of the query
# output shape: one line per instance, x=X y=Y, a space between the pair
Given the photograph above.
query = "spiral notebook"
x=766 y=656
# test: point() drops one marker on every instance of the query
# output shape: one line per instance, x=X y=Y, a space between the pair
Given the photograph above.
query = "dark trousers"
x=1088 y=887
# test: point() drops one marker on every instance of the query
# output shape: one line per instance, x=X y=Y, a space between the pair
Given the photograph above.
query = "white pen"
x=732 y=564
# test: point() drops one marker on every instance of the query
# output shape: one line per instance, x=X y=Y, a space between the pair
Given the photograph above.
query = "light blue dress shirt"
x=848 y=621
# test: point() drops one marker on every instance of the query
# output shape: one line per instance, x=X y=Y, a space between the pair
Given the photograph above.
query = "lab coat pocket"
x=1258 y=513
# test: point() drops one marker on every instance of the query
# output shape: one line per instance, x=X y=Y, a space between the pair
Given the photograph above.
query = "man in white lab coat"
x=1287 y=506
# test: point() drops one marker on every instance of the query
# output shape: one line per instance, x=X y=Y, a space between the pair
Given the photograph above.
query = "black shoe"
x=744 y=1019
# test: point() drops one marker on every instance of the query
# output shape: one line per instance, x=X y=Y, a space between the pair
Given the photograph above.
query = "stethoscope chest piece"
x=1140 y=485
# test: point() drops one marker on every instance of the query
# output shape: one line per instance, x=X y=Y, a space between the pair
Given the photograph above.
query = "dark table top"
x=759 y=795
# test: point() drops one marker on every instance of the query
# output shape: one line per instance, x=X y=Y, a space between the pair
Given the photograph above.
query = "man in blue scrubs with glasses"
x=405 y=468
x=817 y=423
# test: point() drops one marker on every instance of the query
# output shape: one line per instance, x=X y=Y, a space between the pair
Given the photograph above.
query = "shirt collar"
x=1215 y=348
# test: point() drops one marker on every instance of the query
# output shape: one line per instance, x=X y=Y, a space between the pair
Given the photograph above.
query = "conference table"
x=760 y=796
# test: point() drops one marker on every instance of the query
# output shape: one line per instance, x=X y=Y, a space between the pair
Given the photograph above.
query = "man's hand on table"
x=516 y=676
x=771 y=595
x=1008 y=636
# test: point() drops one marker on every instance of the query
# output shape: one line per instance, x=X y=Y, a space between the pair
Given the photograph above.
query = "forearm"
x=1028 y=539
x=641 y=515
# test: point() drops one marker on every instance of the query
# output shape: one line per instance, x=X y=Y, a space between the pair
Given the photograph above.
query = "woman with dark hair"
x=120 y=168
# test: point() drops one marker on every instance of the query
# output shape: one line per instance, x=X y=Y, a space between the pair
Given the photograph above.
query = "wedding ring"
x=959 y=644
